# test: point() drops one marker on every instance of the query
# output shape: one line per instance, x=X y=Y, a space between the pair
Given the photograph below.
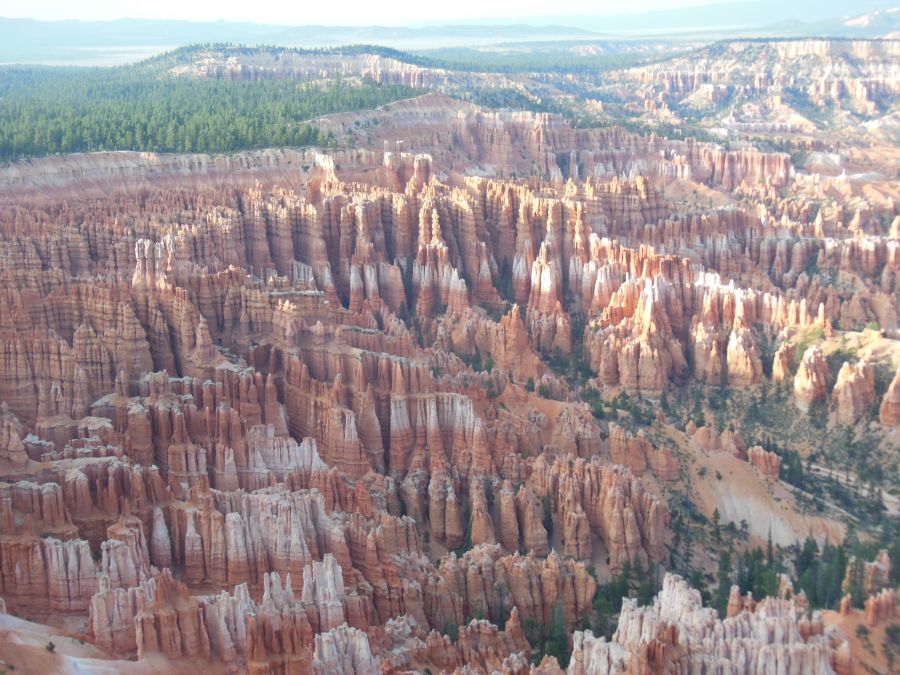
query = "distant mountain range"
x=736 y=15
x=110 y=42
x=27 y=40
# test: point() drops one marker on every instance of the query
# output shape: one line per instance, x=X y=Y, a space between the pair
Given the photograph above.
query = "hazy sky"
x=333 y=12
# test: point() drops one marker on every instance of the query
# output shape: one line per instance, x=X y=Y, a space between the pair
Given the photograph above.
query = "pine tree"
x=558 y=641
x=547 y=505
x=723 y=590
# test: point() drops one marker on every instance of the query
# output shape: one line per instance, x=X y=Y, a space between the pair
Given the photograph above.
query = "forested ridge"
x=45 y=111
x=459 y=59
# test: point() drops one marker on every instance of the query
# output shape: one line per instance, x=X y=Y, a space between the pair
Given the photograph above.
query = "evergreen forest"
x=46 y=111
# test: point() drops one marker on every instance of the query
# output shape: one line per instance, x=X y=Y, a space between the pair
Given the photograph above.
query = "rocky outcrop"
x=743 y=359
x=481 y=525
x=112 y=614
x=767 y=463
x=854 y=391
x=663 y=464
x=783 y=362
x=628 y=450
x=638 y=454
x=738 y=603
x=480 y=645
x=484 y=582
x=870 y=575
x=11 y=447
x=530 y=513
x=630 y=521
x=172 y=623
x=161 y=615
x=343 y=651
x=889 y=412
x=881 y=607
x=676 y=633
x=811 y=380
